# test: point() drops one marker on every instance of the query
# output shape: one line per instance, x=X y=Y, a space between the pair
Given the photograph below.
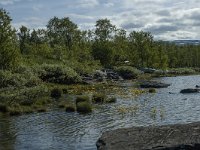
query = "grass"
x=84 y=107
x=152 y=90
x=70 y=108
x=82 y=98
x=98 y=98
x=56 y=93
x=111 y=100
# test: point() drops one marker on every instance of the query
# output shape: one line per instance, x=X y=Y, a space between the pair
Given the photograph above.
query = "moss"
x=98 y=98
x=152 y=90
x=111 y=100
x=84 y=107
x=70 y=108
x=82 y=99
x=56 y=93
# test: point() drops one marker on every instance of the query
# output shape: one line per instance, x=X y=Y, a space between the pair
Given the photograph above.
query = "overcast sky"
x=165 y=19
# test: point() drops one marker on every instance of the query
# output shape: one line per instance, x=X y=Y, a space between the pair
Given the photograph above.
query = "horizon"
x=166 y=20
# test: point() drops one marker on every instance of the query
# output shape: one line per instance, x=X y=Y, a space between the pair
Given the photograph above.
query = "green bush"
x=152 y=90
x=82 y=98
x=182 y=71
x=70 y=108
x=84 y=107
x=12 y=79
x=98 y=98
x=56 y=93
x=128 y=72
x=58 y=74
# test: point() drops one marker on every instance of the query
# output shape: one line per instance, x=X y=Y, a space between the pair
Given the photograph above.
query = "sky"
x=165 y=19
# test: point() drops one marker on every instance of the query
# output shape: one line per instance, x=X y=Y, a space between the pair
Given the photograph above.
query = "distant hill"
x=186 y=42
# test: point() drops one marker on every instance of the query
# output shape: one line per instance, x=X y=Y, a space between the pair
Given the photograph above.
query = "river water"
x=72 y=131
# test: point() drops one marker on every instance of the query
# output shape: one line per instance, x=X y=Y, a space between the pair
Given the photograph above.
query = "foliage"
x=82 y=98
x=84 y=107
x=56 y=92
x=128 y=72
x=9 y=54
x=58 y=74
x=98 y=98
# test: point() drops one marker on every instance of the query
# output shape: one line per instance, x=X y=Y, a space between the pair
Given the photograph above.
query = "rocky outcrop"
x=190 y=91
x=153 y=84
x=169 y=137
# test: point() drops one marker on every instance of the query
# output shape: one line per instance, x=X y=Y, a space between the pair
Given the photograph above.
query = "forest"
x=106 y=45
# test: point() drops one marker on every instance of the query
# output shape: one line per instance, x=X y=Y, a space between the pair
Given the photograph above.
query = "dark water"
x=71 y=131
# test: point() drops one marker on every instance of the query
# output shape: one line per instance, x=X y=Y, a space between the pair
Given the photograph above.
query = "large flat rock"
x=170 y=137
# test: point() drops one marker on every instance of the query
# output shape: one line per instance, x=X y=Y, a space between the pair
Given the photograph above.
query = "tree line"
x=106 y=44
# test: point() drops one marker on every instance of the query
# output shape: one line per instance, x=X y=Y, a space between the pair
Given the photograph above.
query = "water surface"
x=72 y=131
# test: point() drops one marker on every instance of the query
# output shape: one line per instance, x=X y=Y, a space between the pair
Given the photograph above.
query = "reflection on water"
x=71 y=131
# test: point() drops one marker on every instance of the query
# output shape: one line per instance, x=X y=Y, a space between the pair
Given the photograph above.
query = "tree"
x=24 y=37
x=62 y=32
x=9 y=55
x=104 y=30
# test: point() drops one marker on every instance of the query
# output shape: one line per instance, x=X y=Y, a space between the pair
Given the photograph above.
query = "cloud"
x=166 y=19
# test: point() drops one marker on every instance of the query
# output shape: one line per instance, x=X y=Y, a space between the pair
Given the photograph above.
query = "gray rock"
x=153 y=84
x=190 y=91
x=169 y=137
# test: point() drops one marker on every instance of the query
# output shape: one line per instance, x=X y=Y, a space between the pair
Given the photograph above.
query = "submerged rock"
x=190 y=91
x=153 y=84
x=169 y=137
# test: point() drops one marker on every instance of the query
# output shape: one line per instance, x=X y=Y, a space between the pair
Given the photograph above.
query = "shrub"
x=152 y=90
x=84 y=107
x=111 y=100
x=42 y=109
x=12 y=79
x=56 y=93
x=182 y=71
x=15 y=109
x=128 y=72
x=70 y=108
x=98 y=98
x=58 y=74
x=82 y=99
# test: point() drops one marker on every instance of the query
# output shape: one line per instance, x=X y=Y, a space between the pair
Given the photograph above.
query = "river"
x=57 y=129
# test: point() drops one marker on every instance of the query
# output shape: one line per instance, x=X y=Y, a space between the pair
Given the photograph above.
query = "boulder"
x=153 y=84
x=168 y=137
x=190 y=91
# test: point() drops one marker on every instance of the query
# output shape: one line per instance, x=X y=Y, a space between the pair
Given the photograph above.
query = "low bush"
x=182 y=71
x=56 y=93
x=58 y=74
x=152 y=90
x=3 y=108
x=70 y=108
x=82 y=98
x=98 y=98
x=12 y=79
x=128 y=72
x=84 y=107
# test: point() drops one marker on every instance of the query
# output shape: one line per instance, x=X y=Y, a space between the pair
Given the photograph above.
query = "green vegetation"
x=99 y=98
x=152 y=90
x=70 y=108
x=56 y=93
x=111 y=100
x=128 y=72
x=84 y=107
x=37 y=64
x=82 y=98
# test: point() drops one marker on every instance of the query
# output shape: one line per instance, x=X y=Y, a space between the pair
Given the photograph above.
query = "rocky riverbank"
x=169 y=137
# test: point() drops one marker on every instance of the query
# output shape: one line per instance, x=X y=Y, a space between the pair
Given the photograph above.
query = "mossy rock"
x=111 y=100
x=3 y=108
x=82 y=99
x=152 y=90
x=70 y=108
x=56 y=93
x=84 y=107
x=98 y=98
